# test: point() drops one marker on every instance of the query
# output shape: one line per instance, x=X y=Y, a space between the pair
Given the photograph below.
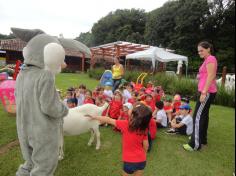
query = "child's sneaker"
x=171 y=131
x=187 y=147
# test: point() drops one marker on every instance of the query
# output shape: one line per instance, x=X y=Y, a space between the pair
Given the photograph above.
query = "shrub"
x=225 y=97
x=173 y=85
x=67 y=70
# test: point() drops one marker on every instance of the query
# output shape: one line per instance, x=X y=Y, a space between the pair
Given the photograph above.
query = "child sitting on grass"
x=124 y=115
x=134 y=138
x=176 y=104
x=115 y=105
x=127 y=92
x=133 y=98
x=149 y=101
x=168 y=108
x=71 y=102
x=160 y=115
x=182 y=124
x=80 y=93
x=88 y=97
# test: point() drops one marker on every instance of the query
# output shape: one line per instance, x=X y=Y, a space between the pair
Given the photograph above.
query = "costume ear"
x=75 y=45
x=26 y=34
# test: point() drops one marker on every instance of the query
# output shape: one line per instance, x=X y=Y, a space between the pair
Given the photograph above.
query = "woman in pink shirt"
x=207 y=91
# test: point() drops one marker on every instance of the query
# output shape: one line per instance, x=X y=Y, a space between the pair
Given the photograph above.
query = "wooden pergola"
x=115 y=49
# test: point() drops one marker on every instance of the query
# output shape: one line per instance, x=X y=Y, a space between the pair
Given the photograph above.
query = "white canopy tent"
x=154 y=54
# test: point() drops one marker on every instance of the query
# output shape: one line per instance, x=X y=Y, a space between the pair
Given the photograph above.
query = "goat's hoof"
x=97 y=148
x=89 y=144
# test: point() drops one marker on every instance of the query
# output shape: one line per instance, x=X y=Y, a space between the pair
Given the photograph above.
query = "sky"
x=67 y=17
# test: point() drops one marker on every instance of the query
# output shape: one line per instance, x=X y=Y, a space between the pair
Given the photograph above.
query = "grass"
x=166 y=158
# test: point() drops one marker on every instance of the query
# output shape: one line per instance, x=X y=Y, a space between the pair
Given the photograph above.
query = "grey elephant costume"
x=39 y=108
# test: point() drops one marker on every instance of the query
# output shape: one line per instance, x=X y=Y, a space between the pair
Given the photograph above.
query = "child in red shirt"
x=134 y=138
x=124 y=115
x=88 y=97
x=115 y=106
x=133 y=98
x=168 y=108
x=176 y=104
x=149 y=101
x=142 y=95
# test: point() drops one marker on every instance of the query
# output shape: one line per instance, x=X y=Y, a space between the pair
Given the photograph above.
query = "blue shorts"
x=130 y=168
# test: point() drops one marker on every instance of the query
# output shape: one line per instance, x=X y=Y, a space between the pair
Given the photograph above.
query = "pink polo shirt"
x=202 y=75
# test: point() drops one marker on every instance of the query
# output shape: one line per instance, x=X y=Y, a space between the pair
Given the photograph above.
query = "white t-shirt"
x=108 y=93
x=126 y=95
x=161 y=115
x=188 y=121
x=80 y=99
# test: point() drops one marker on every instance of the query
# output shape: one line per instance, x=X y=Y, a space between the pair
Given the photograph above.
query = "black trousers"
x=200 y=121
x=116 y=83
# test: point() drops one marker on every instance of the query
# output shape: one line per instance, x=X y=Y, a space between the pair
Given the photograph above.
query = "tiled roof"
x=18 y=45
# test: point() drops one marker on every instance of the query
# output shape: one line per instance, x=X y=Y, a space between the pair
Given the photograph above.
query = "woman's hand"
x=202 y=98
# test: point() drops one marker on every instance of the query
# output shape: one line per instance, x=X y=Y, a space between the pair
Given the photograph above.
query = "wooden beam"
x=92 y=60
x=83 y=62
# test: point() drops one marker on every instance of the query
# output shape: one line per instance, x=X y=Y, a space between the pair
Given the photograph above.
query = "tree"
x=86 y=38
x=127 y=25
x=10 y=36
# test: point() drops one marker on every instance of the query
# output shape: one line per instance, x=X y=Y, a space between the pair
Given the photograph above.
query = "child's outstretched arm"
x=145 y=145
x=103 y=119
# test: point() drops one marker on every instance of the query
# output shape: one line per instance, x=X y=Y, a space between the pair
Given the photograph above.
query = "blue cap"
x=185 y=106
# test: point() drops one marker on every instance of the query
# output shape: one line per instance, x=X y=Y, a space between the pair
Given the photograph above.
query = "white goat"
x=76 y=123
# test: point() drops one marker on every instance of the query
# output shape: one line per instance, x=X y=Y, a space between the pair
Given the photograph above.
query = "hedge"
x=173 y=85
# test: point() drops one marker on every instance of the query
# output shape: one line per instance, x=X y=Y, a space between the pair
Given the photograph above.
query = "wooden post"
x=224 y=72
x=118 y=52
x=128 y=65
x=83 y=62
x=92 y=60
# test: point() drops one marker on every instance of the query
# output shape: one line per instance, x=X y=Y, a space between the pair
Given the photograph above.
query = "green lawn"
x=167 y=158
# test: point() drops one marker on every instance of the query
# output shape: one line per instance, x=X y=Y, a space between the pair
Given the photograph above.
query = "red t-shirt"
x=167 y=108
x=131 y=100
x=158 y=97
x=124 y=115
x=132 y=143
x=151 y=104
x=88 y=101
x=115 y=108
x=176 y=106
x=152 y=128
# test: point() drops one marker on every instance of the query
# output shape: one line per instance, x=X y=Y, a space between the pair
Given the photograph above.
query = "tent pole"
x=186 y=70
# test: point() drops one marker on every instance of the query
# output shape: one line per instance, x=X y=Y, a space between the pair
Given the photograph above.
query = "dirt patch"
x=5 y=148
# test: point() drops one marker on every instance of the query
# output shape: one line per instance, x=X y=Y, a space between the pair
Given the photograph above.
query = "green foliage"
x=173 y=85
x=67 y=70
x=225 y=97
x=96 y=73
x=86 y=38
x=10 y=36
x=126 y=25
x=178 y=25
